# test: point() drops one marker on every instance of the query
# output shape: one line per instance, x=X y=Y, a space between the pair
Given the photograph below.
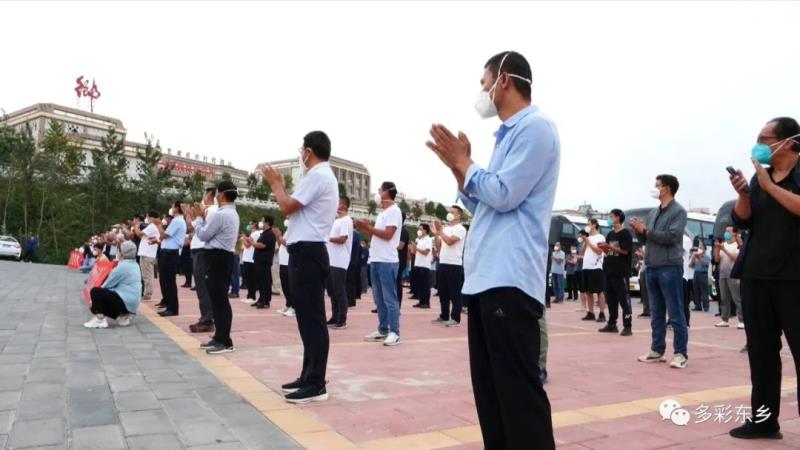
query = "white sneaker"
x=679 y=362
x=290 y=312
x=392 y=339
x=250 y=301
x=124 y=321
x=652 y=357
x=94 y=322
x=723 y=324
x=375 y=336
x=740 y=326
x=282 y=310
x=452 y=323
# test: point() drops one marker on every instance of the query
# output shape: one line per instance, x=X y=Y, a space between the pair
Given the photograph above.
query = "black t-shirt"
x=267 y=253
x=614 y=263
x=773 y=252
x=403 y=254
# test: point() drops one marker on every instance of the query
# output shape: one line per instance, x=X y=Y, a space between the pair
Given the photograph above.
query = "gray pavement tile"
x=167 y=391
x=19 y=349
x=6 y=420
x=12 y=383
x=145 y=422
x=45 y=375
x=155 y=442
x=220 y=446
x=90 y=407
x=151 y=363
x=256 y=437
x=187 y=409
x=32 y=433
x=127 y=383
x=162 y=376
x=238 y=414
x=107 y=437
x=16 y=359
x=9 y=400
x=48 y=362
x=42 y=401
x=204 y=432
x=136 y=401
x=219 y=395
x=13 y=370
x=86 y=379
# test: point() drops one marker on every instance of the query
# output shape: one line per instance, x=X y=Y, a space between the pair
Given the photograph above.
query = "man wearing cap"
x=505 y=257
x=218 y=233
x=312 y=208
x=121 y=292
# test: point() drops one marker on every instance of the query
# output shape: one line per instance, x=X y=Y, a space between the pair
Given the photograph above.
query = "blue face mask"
x=763 y=152
x=727 y=236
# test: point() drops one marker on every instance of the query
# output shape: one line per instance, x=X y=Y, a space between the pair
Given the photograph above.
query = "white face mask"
x=260 y=225
x=216 y=202
x=286 y=223
x=378 y=199
x=655 y=193
x=450 y=217
x=163 y=222
x=587 y=229
x=302 y=160
x=485 y=102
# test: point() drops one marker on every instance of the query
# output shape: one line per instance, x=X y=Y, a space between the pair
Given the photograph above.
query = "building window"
x=72 y=128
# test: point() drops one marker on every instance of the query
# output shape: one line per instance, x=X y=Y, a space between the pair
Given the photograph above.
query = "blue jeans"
x=558 y=286
x=665 y=289
x=384 y=291
x=235 y=275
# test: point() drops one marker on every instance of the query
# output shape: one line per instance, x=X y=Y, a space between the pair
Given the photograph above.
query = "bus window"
x=694 y=228
x=567 y=229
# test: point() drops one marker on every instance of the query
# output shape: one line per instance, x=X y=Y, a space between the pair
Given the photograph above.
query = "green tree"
x=107 y=176
x=404 y=207
x=288 y=183
x=257 y=189
x=430 y=208
x=195 y=186
x=441 y=211
x=19 y=152
x=342 y=190
x=153 y=180
x=226 y=176
x=372 y=207
x=416 y=210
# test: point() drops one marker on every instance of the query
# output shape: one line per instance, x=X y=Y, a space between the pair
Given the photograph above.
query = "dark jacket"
x=664 y=238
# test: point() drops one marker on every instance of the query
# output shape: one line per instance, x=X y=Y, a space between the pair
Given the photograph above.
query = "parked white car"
x=10 y=248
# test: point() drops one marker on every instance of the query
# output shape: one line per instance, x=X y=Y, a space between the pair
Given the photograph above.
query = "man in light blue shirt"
x=172 y=241
x=505 y=260
x=558 y=262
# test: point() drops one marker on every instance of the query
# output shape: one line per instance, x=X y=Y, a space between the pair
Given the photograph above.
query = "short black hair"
x=426 y=227
x=786 y=127
x=514 y=64
x=619 y=213
x=140 y=217
x=345 y=199
x=458 y=208
x=211 y=190
x=153 y=213
x=389 y=187
x=669 y=181
x=319 y=143
x=228 y=189
x=594 y=222
x=269 y=220
x=177 y=204
x=583 y=233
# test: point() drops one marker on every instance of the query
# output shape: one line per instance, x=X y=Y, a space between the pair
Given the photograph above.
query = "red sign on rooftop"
x=83 y=90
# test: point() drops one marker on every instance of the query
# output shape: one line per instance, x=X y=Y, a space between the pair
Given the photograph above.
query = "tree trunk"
x=55 y=236
x=8 y=200
x=41 y=212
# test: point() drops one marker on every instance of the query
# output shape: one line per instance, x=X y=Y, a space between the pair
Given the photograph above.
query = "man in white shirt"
x=283 y=261
x=451 y=267
x=248 y=263
x=688 y=276
x=312 y=208
x=205 y=324
x=725 y=254
x=148 y=249
x=384 y=264
x=423 y=258
x=593 y=271
x=339 y=248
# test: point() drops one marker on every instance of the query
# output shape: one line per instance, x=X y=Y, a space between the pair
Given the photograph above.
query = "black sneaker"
x=307 y=394
x=292 y=387
x=330 y=323
x=644 y=315
x=751 y=430
x=262 y=305
x=219 y=349
x=626 y=332
x=601 y=317
x=210 y=344
x=588 y=316
x=609 y=329
x=338 y=326
x=374 y=311
x=425 y=306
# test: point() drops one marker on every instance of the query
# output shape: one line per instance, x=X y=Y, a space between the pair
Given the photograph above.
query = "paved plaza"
x=150 y=386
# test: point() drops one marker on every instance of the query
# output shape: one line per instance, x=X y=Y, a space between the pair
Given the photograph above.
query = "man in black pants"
x=172 y=240
x=506 y=254
x=262 y=262
x=354 y=271
x=450 y=274
x=219 y=237
x=312 y=207
x=402 y=254
x=617 y=268
x=339 y=248
x=769 y=268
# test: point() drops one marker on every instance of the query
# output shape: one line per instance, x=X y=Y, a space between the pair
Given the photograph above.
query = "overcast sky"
x=636 y=89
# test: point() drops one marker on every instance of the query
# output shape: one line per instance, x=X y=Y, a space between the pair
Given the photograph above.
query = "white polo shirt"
x=591 y=260
x=420 y=260
x=318 y=192
x=381 y=250
x=453 y=254
x=196 y=242
x=145 y=247
x=339 y=254
x=249 y=252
